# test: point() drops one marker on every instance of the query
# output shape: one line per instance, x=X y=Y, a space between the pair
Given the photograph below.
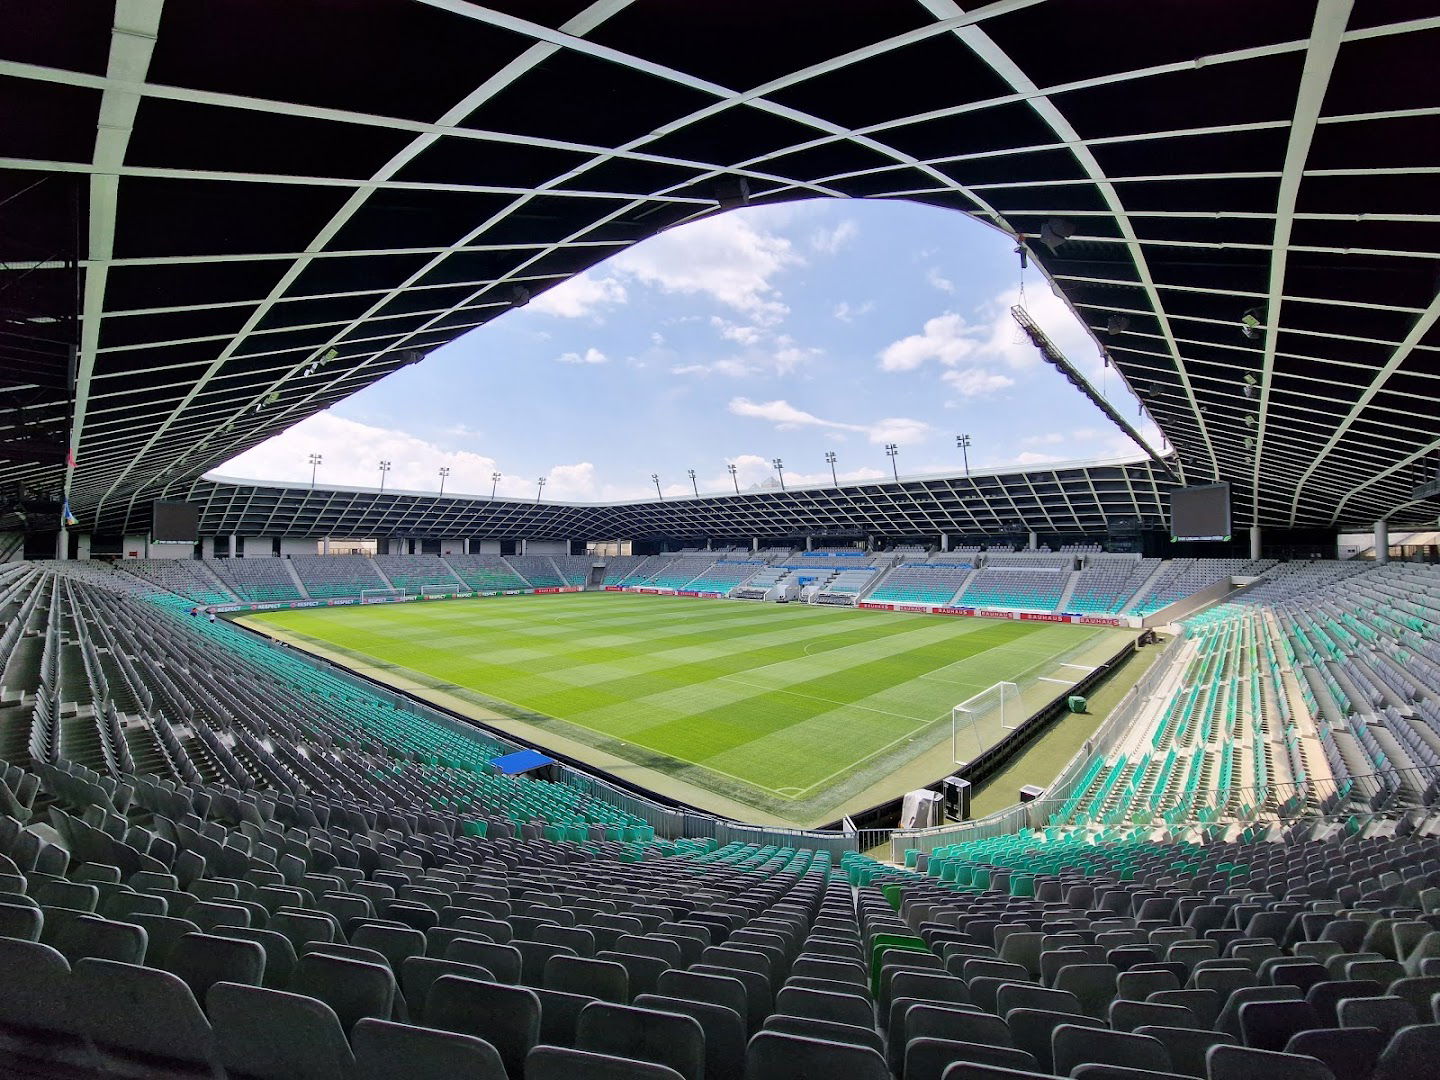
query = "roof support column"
x=1382 y=541
x=1254 y=541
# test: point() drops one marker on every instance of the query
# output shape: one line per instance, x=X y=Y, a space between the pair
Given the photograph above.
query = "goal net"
x=432 y=591
x=980 y=721
x=373 y=596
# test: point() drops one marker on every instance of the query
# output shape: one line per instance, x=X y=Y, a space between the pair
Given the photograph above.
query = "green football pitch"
x=788 y=709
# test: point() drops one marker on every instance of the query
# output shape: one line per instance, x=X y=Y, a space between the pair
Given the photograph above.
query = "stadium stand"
x=413 y=572
x=724 y=575
x=327 y=576
x=210 y=874
x=620 y=567
x=1184 y=577
x=485 y=573
x=922 y=583
x=1108 y=582
x=845 y=586
x=184 y=577
x=575 y=569
x=538 y=570
x=677 y=573
x=1019 y=583
x=759 y=585
x=258 y=580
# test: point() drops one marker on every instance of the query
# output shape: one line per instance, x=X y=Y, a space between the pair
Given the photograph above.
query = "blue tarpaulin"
x=521 y=761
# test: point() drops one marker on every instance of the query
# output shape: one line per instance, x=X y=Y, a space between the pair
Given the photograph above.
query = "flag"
x=70 y=458
x=67 y=516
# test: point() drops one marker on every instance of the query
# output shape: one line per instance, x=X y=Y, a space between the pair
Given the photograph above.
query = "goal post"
x=372 y=596
x=431 y=592
x=994 y=709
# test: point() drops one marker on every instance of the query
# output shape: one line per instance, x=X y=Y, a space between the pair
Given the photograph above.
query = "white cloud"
x=724 y=257
x=415 y=464
x=946 y=338
x=831 y=241
x=582 y=295
x=754 y=472
x=730 y=367
x=1050 y=438
x=846 y=312
x=938 y=280
x=1029 y=457
x=591 y=355
x=976 y=382
x=787 y=417
x=742 y=335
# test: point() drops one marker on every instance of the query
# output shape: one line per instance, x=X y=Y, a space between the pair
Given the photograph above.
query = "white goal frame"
x=428 y=591
x=1002 y=699
x=366 y=594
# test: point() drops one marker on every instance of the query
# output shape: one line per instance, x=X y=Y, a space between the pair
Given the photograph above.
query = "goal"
x=431 y=592
x=982 y=717
x=375 y=596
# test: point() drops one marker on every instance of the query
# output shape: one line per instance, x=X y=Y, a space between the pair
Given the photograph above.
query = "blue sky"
x=768 y=332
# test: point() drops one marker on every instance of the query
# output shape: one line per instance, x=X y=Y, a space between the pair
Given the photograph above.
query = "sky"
x=767 y=332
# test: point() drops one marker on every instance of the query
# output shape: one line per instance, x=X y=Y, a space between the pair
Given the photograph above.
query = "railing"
x=1364 y=795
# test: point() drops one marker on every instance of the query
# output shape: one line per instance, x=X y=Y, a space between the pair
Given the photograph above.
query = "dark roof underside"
x=288 y=200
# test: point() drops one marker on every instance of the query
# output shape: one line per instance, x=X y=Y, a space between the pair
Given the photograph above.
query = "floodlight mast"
x=539 y=490
x=734 y=478
x=891 y=450
x=963 y=442
x=384 y=468
x=780 y=469
x=444 y=472
x=316 y=460
x=656 y=478
x=830 y=460
x=693 y=483
x=494 y=483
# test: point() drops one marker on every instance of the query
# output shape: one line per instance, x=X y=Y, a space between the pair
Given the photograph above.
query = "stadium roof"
x=1067 y=498
x=243 y=211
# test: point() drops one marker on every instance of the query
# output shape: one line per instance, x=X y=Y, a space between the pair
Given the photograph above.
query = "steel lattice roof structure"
x=1072 y=498
x=239 y=212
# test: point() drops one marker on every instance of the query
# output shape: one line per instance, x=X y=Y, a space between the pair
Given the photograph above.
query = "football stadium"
x=1100 y=740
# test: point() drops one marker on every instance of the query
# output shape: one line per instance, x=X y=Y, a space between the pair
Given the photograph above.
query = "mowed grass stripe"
x=782 y=699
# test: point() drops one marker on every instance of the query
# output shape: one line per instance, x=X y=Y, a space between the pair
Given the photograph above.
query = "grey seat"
x=1074 y=1045
x=161 y=934
x=1345 y=1051
x=1386 y=1014
x=723 y=1027
x=389 y=1051
x=1033 y=1030
x=246 y=1020
x=352 y=988
x=1244 y=1063
x=643 y=972
x=202 y=960
x=137 y=1013
x=1012 y=996
x=828 y=1030
x=506 y=1017
x=103 y=939
x=1229 y=1019
x=503 y=961
x=280 y=958
x=1094 y=986
x=930 y=1058
x=37 y=979
x=559 y=1063
x=772 y=1055
x=1410 y=1052
x=675 y=1040
x=607 y=980
x=395 y=943
x=1187 y=1047
x=1130 y=1015
x=758 y=996
x=418 y=974
x=1268 y=1025
x=711 y=989
x=20 y=921
x=822 y=1005
x=559 y=1015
